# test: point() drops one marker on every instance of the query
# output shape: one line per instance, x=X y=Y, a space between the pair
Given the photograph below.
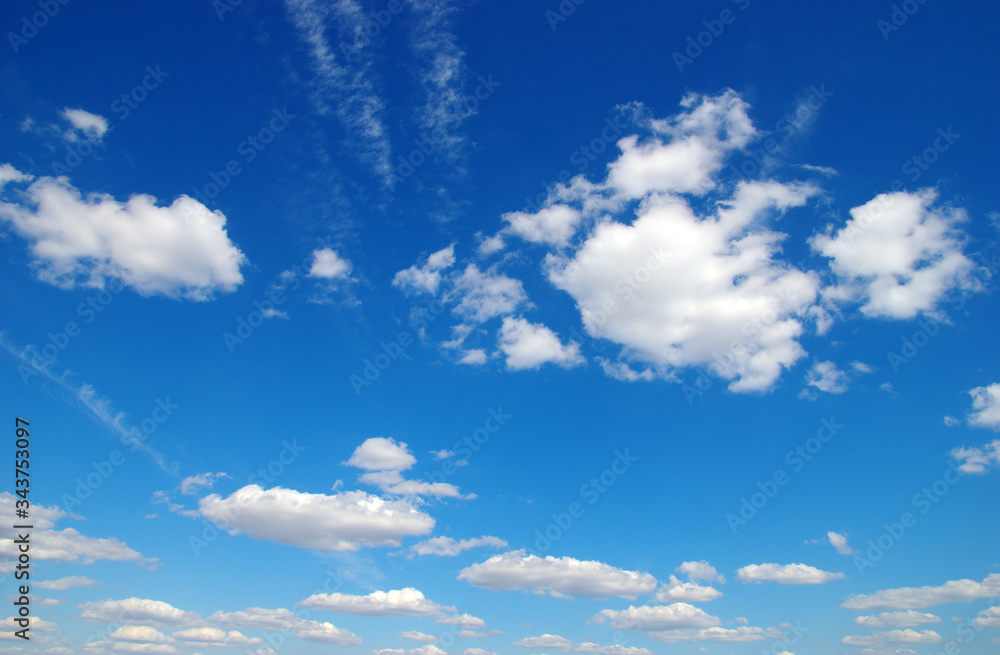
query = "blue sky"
x=424 y=327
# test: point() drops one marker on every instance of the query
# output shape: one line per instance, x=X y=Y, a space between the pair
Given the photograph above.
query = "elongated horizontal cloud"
x=447 y=546
x=344 y=521
x=555 y=642
x=397 y=602
x=717 y=634
x=890 y=637
x=561 y=575
x=657 y=617
x=904 y=619
x=785 y=574
x=139 y=611
x=953 y=591
x=180 y=251
x=676 y=590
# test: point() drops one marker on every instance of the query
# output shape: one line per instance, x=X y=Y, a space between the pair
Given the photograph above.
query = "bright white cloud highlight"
x=529 y=345
x=397 y=602
x=381 y=454
x=561 y=575
x=180 y=251
x=657 y=617
x=785 y=574
x=344 y=521
x=329 y=265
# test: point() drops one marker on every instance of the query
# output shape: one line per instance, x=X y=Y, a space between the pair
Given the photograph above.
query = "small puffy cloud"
x=953 y=591
x=898 y=255
x=555 y=642
x=986 y=406
x=392 y=482
x=180 y=251
x=903 y=619
x=397 y=602
x=284 y=620
x=676 y=590
x=426 y=278
x=429 y=649
x=702 y=571
x=482 y=295
x=988 y=618
x=447 y=546
x=137 y=611
x=839 y=542
x=529 y=345
x=418 y=637
x=343 y=521
x=554 y=225
x=785 y=574
x=891 y=637
x=93 y=126
x=977 y=461
x=10 y=174
x=558 y=575
x=826 y=377
x=474 y=357
x=327 y=264
x=463 y=621
x=70 y=582
x=657 y=617
x=207 y=637
x=139 y=633
x=327 y=634
x=193 y=483
x=381 y=454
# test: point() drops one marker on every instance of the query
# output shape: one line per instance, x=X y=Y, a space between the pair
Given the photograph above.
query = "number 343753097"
x=21 y=463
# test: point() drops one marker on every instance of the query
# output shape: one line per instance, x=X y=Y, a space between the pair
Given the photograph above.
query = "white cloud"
x=484 y=295
x=139 y=633
x=676 y=290
x=702 y=571
x=657 y=617
x=138 y=611
x=785 y=574
x=904 y=619
x=93 y=126
x=70 y=582
x=397 y=602
x=393 y=483
x=450 y=547
x=193 y=483
x=418 y=637
x=986 y=406
x=676 y=590
x=477 y=651
x=554 y=225
x=100 y=647
x=329 y=265
x=463 y=621
x=890 y=637
x=207 y=637
x=181 y=250
x=474 y=357
x=328 y=634
x=977 y=460
x=344 y=521
x=560 y=575
x=988 y=618
x=381 y=454
x=826 y=377
x=285 y=620
x=898 y=254
x=529 y=345
x=426 y=278
x=953 y=591
x=555 y=642
x=349 y=88
x=429 y=649
x=66 y=545
x=10 y=174
x=839 y=542
x=716 y=634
